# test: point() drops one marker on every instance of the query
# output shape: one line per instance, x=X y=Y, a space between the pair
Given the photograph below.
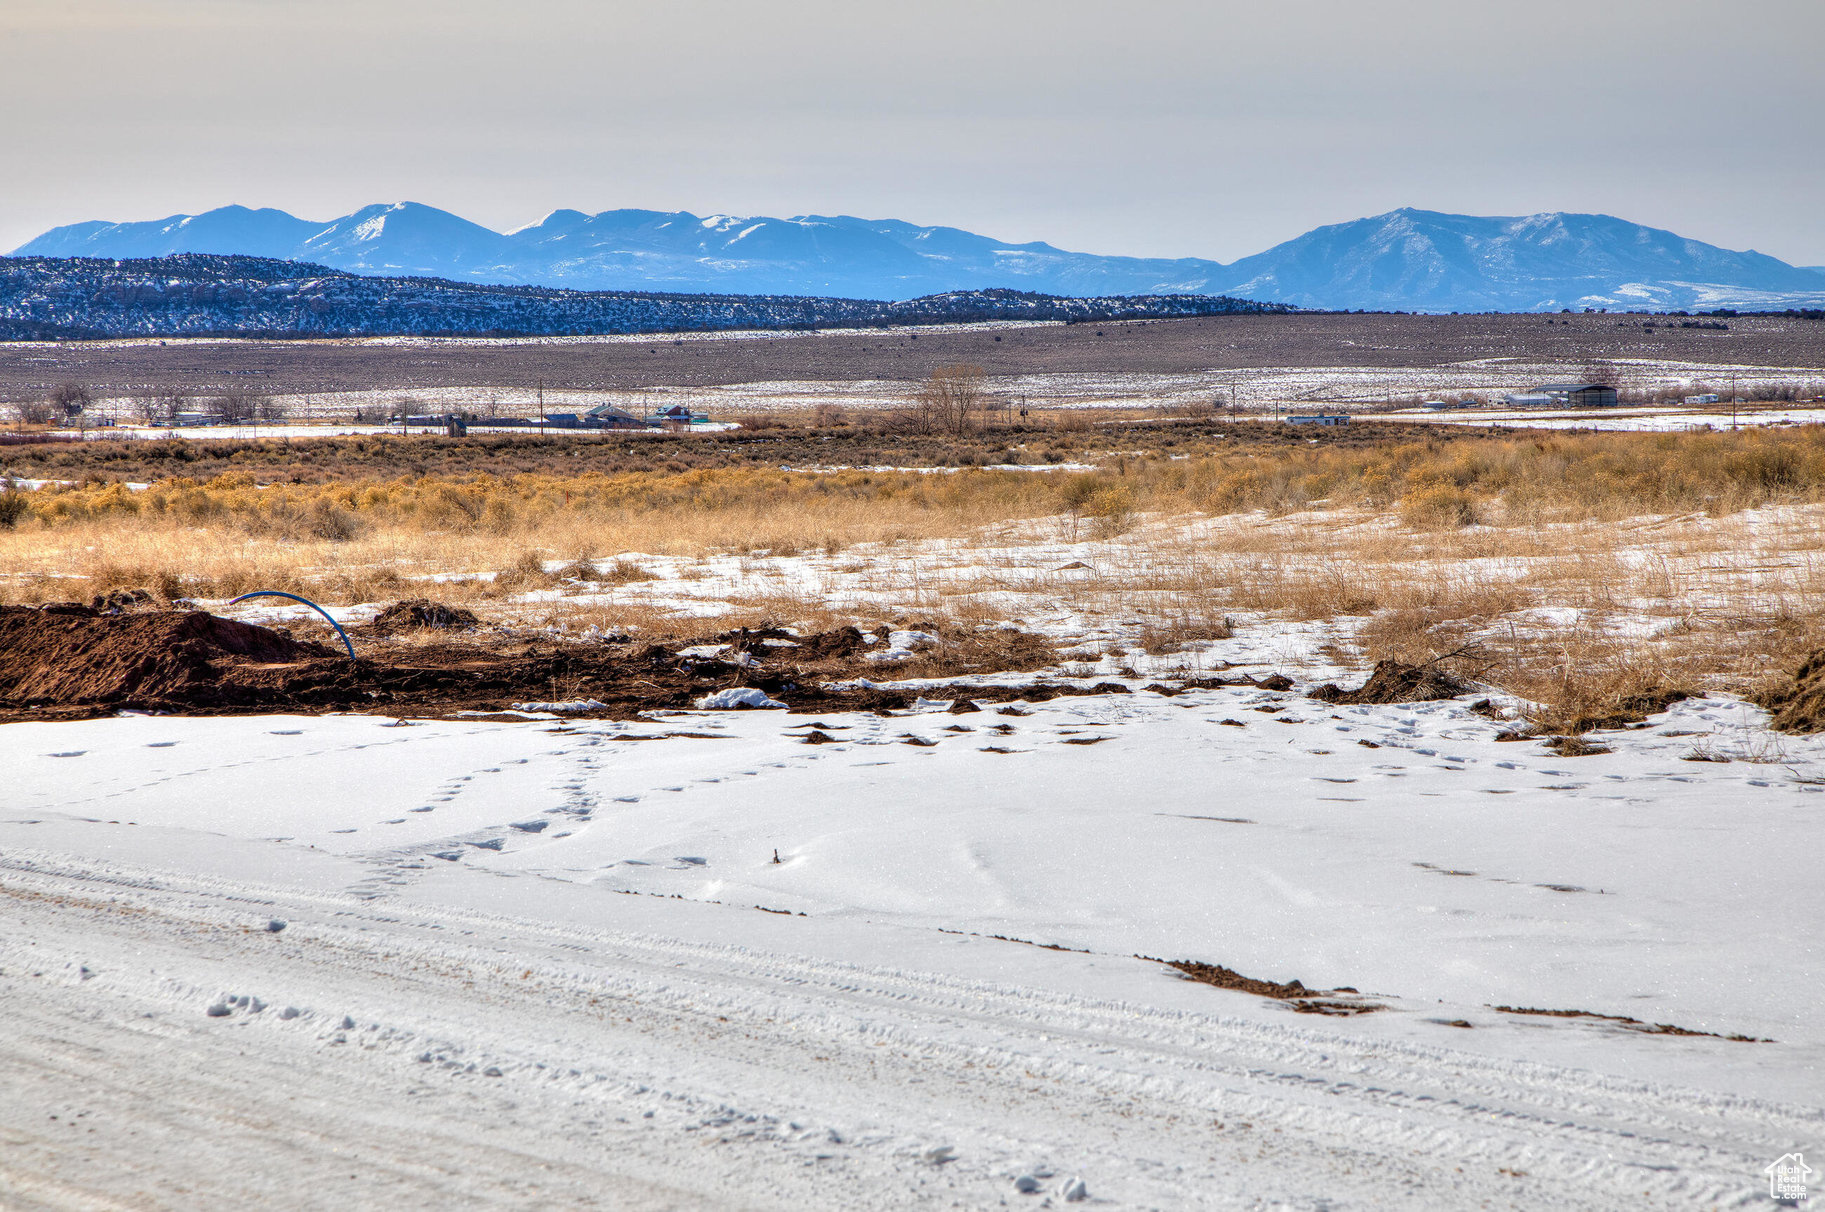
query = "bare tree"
x=950 y=400
x=233 y=407
x=148 y=408
x=169 y=405
x=70 y=399
x=269 y=408
x=35 y=412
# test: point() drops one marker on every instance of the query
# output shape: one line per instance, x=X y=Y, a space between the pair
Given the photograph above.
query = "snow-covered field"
x=343 y=960
x=1253 y=390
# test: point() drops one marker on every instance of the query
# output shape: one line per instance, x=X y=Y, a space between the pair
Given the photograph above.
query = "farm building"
x=1563 y=395
x=1581 y=395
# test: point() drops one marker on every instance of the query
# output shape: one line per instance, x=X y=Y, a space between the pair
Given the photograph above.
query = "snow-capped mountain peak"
x=1407 y=259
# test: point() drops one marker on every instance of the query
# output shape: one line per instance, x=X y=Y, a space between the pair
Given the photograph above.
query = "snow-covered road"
x=439 y=1057
x=554 y=964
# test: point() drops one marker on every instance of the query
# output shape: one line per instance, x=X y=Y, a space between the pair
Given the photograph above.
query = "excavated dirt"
x=422 y=613
x=1394 y=682
x=86 y=656
x=74 y=661
x=1798 y=703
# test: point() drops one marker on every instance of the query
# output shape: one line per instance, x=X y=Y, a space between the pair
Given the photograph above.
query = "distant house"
x=607 y=416
x=679 y=414
x=1319 y=418
x=1706 y=398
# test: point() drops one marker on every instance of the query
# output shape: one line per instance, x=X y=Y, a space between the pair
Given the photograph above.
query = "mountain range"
x=1405 y=260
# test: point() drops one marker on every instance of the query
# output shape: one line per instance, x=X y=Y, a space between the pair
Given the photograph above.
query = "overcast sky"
x=1211 y=129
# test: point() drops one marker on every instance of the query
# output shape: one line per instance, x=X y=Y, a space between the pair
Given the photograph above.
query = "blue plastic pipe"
x=277 y=593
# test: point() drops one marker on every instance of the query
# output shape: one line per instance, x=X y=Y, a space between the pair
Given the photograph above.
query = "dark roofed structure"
x=1580 y=395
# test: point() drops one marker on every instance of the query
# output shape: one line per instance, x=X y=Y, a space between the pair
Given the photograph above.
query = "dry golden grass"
x=1574 y=571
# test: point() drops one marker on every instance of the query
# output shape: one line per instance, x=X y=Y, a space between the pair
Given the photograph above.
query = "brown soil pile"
x=80 y=655
x=73 y=661
x=422 y=613
x=1797 y=703
x=1394 y=682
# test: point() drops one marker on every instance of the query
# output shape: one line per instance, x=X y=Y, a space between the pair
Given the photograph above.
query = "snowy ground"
x=1639 y=420
x=554 y=962
x=1253 y=390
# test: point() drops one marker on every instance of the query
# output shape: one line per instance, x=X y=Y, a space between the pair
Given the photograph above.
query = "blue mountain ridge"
x=1405 y=260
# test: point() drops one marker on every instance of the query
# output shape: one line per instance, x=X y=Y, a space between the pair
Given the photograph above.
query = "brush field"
x=1573 y=571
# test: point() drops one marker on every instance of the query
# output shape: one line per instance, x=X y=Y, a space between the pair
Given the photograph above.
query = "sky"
x=1148 y=127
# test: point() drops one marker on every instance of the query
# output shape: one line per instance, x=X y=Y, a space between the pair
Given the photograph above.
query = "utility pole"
x=541 y=407
x=1732 y=402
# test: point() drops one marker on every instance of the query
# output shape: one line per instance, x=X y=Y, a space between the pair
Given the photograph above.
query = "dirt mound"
x=80 y=655
x=420 y=613
x=73 y=661
x=1797 y=703
x=1394 y=682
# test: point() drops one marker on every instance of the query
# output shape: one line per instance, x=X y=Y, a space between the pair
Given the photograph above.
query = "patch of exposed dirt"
x=423 y=614
x=1296 y=996
x=1226 y=978
x=1395 y=682
x=1797 y=703
x=72 y=661
x=1629 y=1024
